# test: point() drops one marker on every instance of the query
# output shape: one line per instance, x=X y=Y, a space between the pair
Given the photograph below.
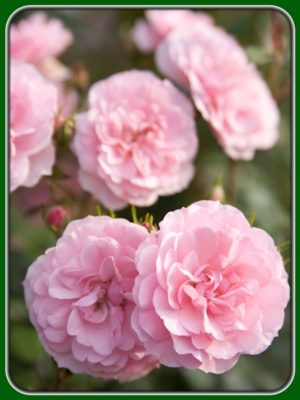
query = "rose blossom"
x=35 y=39
x=79 y=296
x=212 y=287
x=226 y=88
x=33 y=104
x=136 y=141
x=243 y=115
x=147 y=34
x=38 y=41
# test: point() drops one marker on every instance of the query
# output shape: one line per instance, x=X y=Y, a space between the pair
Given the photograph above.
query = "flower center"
x=99 y=298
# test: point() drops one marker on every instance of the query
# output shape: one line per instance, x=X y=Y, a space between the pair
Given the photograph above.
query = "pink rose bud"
x=146 y=225
x=57 y=216
x=218 y=194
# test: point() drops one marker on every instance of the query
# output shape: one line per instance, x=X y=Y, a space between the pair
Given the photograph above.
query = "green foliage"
x=24 y=343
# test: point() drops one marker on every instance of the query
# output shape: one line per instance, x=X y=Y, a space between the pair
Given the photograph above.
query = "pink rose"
x=226 y=89
x=147 y=34
x=136 y=141
x=79 y=296
x=243 y=115
x=33 y=103
x=38 y=41
x=213 y=288
x=35 y=39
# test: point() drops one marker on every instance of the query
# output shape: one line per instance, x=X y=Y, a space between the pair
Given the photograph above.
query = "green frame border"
x=286 y=5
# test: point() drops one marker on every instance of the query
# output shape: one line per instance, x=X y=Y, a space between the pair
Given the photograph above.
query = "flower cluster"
x=39 y=41
x=36 y=95
x=227 y=90
x=114 y=301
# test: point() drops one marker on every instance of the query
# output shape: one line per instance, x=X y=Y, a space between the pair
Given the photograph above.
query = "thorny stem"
x=59 y=383
x=62 y=375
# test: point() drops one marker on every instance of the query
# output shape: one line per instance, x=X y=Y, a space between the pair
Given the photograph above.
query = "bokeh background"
x=102 y=47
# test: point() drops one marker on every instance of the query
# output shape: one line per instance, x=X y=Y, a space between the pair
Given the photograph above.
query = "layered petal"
x=137 y=140
x=79 y=296
x=208 y=289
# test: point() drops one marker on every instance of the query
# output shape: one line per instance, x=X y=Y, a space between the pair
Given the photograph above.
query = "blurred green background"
x=102 y=43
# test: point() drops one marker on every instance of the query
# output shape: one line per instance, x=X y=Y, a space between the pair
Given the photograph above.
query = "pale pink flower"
x=147 y=34
x=79 y=296
x=35 y=39
x=33 y=104
x=136 y=141
x=38 y=41
x=243 y=115
x=226 y=88
x=213 y=288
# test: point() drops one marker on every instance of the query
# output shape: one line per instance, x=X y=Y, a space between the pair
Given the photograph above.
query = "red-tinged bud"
x=146 y=225
x=58 y=118
x=57 y=217
x=58 y=122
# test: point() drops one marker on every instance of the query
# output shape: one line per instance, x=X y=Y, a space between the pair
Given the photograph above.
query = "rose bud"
x=57 y=217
